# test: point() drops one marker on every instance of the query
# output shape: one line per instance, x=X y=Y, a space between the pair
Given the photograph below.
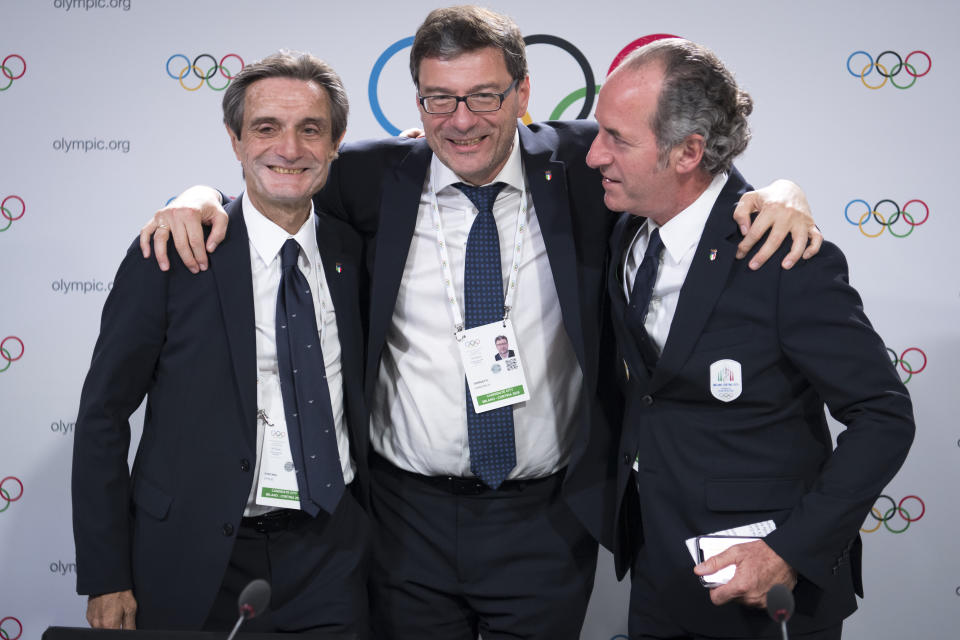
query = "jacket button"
x=244 y=465
x=626 y=458
x=228 y=529
x=647 y=400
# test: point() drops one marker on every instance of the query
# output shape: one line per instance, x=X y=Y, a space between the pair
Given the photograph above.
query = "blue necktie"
x=640 y=296
x=303 y=385
x=492 y=450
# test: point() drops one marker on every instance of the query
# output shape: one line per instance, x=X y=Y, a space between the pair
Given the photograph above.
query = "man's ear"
x=336 y=147
x=234 y=141
x=523 y=96
x=687 y=155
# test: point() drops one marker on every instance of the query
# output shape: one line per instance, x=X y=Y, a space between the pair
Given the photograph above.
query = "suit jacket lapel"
x=399 y=205
x=337 y=278
x=704 y=282
x=554 y=217
x=234 y=280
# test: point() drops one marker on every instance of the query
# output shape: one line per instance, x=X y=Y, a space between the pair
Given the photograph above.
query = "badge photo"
x=726 y=380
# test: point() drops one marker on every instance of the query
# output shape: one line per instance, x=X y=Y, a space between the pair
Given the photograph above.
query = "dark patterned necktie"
x=646 y=277
x=303 y=385
x=492 y=449
x=640 y=296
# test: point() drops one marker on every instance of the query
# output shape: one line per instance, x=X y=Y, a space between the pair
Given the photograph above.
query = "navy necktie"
x=303 y=385
x=646 y=277
x=492 y=450
x=640 y=296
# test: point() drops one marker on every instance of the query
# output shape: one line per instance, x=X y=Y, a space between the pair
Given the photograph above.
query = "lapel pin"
x=713 y=255
x=548 y=175
x=339 y=267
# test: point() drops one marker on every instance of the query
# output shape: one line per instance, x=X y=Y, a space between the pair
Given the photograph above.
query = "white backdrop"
x=95 y=134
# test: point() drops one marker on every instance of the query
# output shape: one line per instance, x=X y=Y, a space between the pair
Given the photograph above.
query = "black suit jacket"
x=705 y=465
x=376 y=186
x=187 y=341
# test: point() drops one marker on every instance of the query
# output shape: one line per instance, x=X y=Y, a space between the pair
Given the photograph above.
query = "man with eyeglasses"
x=487 y=521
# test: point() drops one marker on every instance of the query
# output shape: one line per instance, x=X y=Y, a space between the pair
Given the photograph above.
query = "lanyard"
x=448 y=273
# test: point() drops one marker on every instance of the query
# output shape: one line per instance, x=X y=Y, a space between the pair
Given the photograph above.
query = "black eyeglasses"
x=476 y=102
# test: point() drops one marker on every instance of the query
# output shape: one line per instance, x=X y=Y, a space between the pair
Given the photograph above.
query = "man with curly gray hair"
x=727 y=371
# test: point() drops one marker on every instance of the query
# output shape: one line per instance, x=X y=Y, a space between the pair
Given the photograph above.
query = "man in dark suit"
x=726 y=372
x=243 y=471
x=456 y=553
x=460 y=549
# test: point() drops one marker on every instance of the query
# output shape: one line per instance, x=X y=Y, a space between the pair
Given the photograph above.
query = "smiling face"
x=503 y=347
x=285 y=147
x=474 y=145
x=625 y=149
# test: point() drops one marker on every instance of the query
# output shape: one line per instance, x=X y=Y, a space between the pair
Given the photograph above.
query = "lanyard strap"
x=448 y=273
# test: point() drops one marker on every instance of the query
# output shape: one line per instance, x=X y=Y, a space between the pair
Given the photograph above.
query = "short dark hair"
x=287 y=64
x=698 y=96
x=449 y=32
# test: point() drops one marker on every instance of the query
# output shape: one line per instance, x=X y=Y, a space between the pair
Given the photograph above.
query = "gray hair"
x=699 y=96
x=287 y=64
x=449 y=32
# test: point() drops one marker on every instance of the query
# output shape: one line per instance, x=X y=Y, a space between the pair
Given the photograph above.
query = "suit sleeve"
x=329 y=199
x=353 y=187
x=132 y=330
x=825 y=333
x=351 y=184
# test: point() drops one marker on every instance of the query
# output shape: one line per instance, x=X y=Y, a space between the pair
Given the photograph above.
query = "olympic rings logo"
x=10 y=213
x=906 y=367
x=889 y=73
x=6 y=354
x=8 y=487
x=883 y=517
x=4 y=634
x=203 y=72
x=9 y=72
x=886 y=219
x=587 y=92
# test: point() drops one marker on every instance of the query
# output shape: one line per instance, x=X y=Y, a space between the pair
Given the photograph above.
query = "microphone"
x=252 y=602
x=780 y=606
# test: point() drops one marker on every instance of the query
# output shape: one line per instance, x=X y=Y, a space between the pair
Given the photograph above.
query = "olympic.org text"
x=80 y=286
x=63 y=568
x=86 y=5
x=61 y=427
x=91 y=144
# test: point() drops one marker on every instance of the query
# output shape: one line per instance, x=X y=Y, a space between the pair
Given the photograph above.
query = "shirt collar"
x=683 y=231
x=511 y=173
x=267 y=237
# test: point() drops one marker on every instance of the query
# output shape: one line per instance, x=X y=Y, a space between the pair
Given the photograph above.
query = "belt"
x=278 y=520
x=460 y=485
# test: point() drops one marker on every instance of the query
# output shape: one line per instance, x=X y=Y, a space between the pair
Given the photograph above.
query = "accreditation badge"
x=726 y=380
x=492 y=364
x=277 y=480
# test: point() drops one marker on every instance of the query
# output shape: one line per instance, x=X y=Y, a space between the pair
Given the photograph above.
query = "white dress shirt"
x=418 y=416
x=266 y=240
x=680 y=235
